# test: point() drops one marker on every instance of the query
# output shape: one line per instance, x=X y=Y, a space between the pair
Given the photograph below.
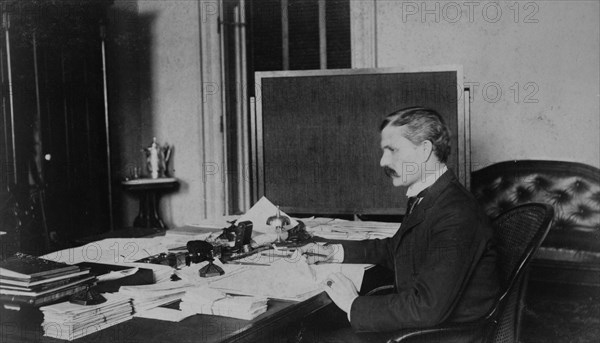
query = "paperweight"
x=87 y=297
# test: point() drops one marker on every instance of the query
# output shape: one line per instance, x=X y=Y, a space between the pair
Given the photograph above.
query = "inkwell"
x=203 y=251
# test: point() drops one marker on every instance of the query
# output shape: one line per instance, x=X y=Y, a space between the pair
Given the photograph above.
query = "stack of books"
x=27 y=280
x=71 y=321
x=213 y=302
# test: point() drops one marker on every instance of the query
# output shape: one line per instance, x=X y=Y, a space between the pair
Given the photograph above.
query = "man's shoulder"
x=455 y=193
x=455 y=200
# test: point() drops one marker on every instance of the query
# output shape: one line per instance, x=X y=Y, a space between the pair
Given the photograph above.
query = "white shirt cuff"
x=338 y=253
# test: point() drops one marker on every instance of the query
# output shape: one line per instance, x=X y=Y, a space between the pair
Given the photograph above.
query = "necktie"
x=410 y=204
x=414 y=201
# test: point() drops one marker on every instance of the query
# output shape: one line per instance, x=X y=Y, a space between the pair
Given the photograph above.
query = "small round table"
x=148 y=191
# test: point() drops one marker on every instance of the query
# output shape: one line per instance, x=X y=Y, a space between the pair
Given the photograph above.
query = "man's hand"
x=316 y=253
x=341 y=290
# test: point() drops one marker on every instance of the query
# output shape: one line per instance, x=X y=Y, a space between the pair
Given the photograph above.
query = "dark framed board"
x=316 y=140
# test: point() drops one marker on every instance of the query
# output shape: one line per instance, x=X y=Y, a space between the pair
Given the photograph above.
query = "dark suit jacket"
x=444 y=262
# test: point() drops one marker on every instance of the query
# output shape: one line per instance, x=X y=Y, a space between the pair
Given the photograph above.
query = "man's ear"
x=426 y=150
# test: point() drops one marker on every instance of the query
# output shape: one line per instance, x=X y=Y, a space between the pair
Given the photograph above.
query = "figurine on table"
x=157 y=159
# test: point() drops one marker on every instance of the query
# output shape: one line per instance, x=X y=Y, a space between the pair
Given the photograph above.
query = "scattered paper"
x=215 y=223
x=290 y=278
x=260 y=213
x=117 y=274
x=338 y=229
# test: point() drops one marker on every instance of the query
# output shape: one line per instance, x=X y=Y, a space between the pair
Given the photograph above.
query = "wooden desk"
x=282 y=318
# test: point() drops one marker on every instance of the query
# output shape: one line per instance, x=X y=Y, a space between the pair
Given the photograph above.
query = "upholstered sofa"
x=571 y=251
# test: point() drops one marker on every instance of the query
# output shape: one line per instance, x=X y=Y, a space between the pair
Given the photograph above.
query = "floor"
x=561 y=313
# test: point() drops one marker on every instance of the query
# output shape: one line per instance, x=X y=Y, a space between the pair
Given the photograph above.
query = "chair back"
x=518 y=232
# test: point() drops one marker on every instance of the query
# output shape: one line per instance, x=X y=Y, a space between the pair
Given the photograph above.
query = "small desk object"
x=148 y=191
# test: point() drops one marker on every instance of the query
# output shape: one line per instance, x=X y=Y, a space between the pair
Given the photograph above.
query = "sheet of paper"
x=215 y=223
x=117 y=274
x=164 y=313
x=260 y=213
x=339 y=229
x=163 y=288
x=285 y=278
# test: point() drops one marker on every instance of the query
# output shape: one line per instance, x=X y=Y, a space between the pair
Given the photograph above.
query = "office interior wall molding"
x=363 y=32
x=212 y=107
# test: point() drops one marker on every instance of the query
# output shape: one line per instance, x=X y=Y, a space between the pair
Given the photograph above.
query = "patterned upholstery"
x=573 y=189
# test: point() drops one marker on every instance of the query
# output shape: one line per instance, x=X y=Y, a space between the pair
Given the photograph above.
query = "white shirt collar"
x=429 y=179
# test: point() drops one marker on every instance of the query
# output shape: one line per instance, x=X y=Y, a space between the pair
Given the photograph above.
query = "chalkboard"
x=317 y=139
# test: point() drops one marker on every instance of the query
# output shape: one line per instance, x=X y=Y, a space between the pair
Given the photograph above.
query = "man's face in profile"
x=400 y=158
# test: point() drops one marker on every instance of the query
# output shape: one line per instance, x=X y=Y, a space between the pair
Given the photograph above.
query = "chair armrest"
x=452 y=332
x=381 y=290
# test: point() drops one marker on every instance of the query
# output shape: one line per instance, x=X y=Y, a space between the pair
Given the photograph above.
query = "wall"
x=169 y=64
x=534 y=66
x=123 y=44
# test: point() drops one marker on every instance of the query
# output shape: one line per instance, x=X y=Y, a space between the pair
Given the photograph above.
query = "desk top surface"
x=25 y=326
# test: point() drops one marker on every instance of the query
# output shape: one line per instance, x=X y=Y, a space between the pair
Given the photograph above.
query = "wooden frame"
x=258 y=133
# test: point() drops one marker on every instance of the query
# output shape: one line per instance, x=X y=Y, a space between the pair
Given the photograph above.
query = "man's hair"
x=421 y=124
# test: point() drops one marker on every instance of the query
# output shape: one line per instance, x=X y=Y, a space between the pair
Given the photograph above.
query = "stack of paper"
x=71 y=321
x=146 y=297
x=209 y=301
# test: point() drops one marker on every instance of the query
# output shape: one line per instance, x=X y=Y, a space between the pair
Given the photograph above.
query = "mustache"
x=390 y=172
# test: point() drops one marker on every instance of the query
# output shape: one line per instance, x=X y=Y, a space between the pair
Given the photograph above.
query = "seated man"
x=443 y=256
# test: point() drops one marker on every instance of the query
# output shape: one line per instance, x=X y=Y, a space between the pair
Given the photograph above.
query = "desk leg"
x=148 y=216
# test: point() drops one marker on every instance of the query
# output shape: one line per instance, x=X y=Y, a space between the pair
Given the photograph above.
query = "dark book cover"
x=42 y=287
x=25 y=267
x=43 y=280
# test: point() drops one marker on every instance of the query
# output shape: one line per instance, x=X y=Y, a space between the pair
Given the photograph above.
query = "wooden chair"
x=519 y=232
